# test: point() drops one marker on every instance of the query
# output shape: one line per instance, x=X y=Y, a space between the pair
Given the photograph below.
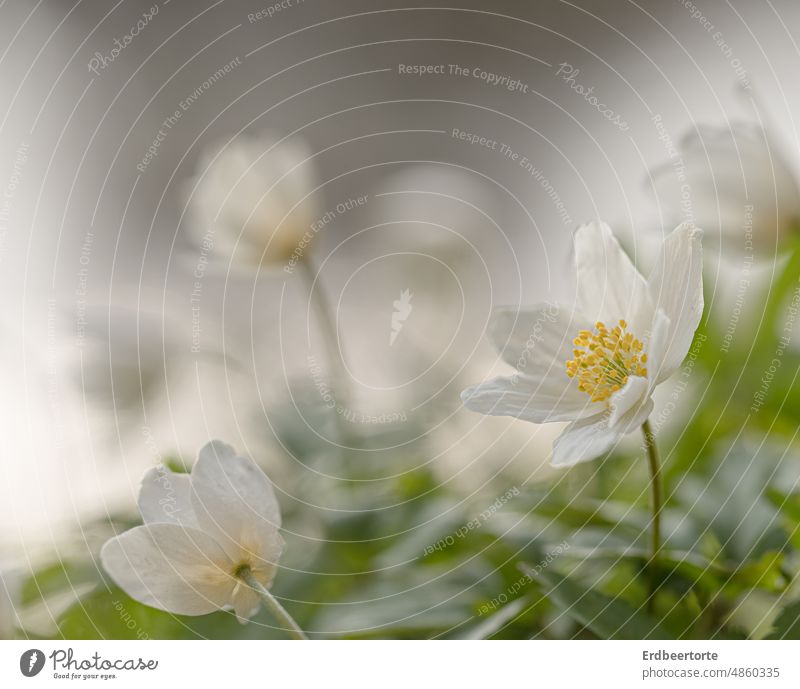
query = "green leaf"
x=732 y=503
x=787 y=625
x=494 y=623
x=107 y=613
x=608 y=618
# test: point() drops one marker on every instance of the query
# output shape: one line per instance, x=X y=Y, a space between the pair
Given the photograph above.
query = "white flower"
x=252 y=200
x=737 y=181
x=198 y=531
x=596 y=364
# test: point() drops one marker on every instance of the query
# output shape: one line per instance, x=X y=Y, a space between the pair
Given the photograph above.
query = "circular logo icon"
x=31 y=662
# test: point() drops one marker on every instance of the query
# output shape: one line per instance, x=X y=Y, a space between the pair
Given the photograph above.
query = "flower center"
x=604 y=359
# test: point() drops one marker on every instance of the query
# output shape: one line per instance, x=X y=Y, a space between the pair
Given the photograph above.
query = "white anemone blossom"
x=735 y=182
x=199 y=531
x=251 y=199
x=597 y=363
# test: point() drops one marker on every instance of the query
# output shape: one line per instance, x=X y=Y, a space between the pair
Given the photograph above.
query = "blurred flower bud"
x=735 y=184
x=250 y=200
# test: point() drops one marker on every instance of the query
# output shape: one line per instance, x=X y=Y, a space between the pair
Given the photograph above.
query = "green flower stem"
x=658 y=501
x=277 y=610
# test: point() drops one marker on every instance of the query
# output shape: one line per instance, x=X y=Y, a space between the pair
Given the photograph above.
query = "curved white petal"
x=630 y=398
x=245 y=602
x=554 y=397
x=609 y=288
x=676 y=287
x=264 y=562
x=657 y=347
x=165 y=497
x=584 y=440
x=235 y=503
x=537 y=338
x=636 y=416
x=170 y=567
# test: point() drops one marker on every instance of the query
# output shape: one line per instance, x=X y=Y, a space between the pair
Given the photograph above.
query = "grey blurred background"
x=99 y=378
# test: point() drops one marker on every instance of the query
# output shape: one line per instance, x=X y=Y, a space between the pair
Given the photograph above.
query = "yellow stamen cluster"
x=604 y=359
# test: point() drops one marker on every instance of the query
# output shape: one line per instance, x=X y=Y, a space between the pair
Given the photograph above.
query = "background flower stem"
x=277 y=610
x=657 y=493
x=338 y=370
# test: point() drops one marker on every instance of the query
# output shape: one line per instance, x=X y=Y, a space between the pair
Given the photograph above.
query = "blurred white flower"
x=250 y=200
x=736 y=184
x=199 y=531
x=600 y=378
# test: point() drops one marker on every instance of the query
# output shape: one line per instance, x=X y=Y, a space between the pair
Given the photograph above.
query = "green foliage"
x=787 y=626
x=607 y=618
x=392 y=554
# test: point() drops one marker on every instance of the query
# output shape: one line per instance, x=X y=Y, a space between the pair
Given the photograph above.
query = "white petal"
x=538 y=343
x=536 y=338
x=264 y=563
x=657 y=347
x=636 y=416
x=609 y=287
x=630 y=398
x=245 y=602
x=165 y=496
x=235 y=503
x=554 y=397
x=676 y=286
x=584 y=440
x=170 y=567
